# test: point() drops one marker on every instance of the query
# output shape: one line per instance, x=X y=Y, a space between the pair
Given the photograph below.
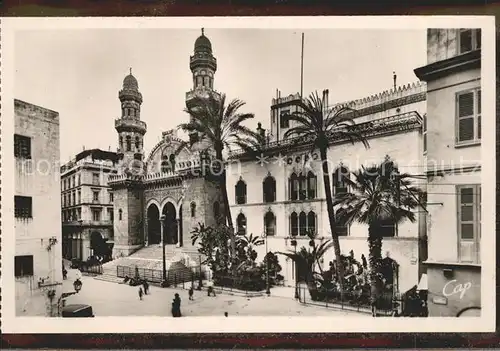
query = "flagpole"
x=302 y=67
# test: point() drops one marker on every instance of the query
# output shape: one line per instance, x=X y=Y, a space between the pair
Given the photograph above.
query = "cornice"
x=438 y=69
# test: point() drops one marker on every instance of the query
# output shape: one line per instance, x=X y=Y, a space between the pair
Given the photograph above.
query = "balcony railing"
x=127 y=123
x=87 y=222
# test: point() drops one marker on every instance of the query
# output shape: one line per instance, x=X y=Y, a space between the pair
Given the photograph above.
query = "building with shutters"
x=37 y=210
x=87 y=205
x=452 y=135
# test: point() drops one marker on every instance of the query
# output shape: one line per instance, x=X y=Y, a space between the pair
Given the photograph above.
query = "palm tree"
x=379 y=196
x=317 y=124
x=306 y=260
x=220 y=127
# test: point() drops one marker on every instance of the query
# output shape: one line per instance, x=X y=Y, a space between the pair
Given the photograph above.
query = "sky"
x=78 y=73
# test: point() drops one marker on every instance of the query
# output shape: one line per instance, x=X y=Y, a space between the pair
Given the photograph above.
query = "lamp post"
x=268 y=291
x=164 y=267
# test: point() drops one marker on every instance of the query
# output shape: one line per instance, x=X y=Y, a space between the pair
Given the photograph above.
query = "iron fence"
x=238 y=284
x=387 y=304
x=91 y=269
x=175 y=277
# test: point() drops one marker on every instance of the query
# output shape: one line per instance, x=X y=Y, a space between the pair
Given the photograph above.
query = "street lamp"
x=268 y=291
x=164 y=269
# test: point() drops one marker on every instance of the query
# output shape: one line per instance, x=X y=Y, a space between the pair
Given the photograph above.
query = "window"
x=270 y=224
x=110 y=214
x=311 y=185
x=469 y=40
x=193 y=209
x=241 y=224
x=388 y=228
x=340 y=186
x=293 y=185
x=468 y=111
x=96 y=214
x=129 y=143
x=79 y=214
x=22 y=146
x=137 y=143
x=120 y=212
x=294 y=224
x=424 y=132
x=302 y=223
x=95 y=179
x=138 y=157
x=74 y=198
x=241 y=192
x=23 y=207
x=311 y=222
x=79 y=180
x=469 y=222
x=284 y=119
x=110 y=193
x=269 y=189
x=23 y=266
x=95 y=196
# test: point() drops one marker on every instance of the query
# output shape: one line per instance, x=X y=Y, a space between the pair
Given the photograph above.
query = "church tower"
x=130 y=128
x=203 y=66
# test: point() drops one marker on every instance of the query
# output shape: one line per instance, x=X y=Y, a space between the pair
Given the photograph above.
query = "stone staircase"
x=150 y=257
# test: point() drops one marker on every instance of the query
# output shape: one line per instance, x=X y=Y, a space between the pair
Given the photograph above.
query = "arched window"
x=302 y=223
x=121 y=142
x=311 y=185
x=311 y=222
x=198 y=81
x=241 y=192
x=205 y=83
x=120 y=212
x=164 y=164
x=270 y=224
x=193 y=209
x=171 y=160
x=241 y=224
x=293 y=185
x=269 y=189
x=302 y=187
x=340 y=186
x=129 y=143
x=294 y=224
x=137 y=143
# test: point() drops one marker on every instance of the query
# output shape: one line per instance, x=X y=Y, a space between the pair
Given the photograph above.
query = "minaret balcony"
x=202 y=92
x=130 y=125
x=201 y=60
x=129 y=94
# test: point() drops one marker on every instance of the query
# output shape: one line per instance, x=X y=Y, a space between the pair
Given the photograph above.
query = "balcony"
x=88 y=223
x=130 y=125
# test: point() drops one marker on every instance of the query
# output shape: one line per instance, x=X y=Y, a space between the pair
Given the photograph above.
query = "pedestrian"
x=191 y=292
x=210 y=288
x=140 y=293
x=225 y=314
x=176 y=306
x=145 y=287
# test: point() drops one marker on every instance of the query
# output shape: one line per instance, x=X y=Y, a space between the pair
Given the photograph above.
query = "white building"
x=266 y=198
x=38 y=261
x=453 y=159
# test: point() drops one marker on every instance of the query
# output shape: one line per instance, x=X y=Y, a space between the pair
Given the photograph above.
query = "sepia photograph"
x=205 y=170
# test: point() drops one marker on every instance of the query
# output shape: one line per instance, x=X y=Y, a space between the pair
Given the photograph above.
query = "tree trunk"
x=375 y=257
x=331 y=217
x=227 y=210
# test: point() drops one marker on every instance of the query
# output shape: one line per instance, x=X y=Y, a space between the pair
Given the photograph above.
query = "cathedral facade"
x=168 y=186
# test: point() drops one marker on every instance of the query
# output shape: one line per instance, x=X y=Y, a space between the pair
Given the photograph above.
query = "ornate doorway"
x=154 y=228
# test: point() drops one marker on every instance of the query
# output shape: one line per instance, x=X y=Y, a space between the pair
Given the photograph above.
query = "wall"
x=441 y=44
x=456 y=302
x=40 y=179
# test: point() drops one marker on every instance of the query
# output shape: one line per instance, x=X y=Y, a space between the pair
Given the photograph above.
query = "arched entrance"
x=170 y=229
x=98 y=246
x=154 y=229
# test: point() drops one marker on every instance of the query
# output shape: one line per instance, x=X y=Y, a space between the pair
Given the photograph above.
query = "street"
x=113 y=299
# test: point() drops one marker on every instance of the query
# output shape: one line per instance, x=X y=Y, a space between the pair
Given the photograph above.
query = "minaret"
x=130 y=128
x=203 y=66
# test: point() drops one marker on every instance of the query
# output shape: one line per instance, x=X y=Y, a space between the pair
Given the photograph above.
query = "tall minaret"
x=130 y=128
x=203 y=66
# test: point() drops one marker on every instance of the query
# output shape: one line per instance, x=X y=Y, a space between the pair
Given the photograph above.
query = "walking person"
x=210 y=289
x=144 y=285
x=176 y=306
x=140 y=293
x=191 y=292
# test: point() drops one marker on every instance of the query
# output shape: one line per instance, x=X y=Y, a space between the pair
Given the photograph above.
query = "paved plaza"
x=113 y=299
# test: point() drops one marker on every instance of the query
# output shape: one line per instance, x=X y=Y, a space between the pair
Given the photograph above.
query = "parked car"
x=77 y=310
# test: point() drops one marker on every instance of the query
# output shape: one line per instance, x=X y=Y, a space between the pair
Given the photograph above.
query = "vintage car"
x=77 y=310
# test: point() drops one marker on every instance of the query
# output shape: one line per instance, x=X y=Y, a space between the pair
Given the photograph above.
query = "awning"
x=422 y=284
